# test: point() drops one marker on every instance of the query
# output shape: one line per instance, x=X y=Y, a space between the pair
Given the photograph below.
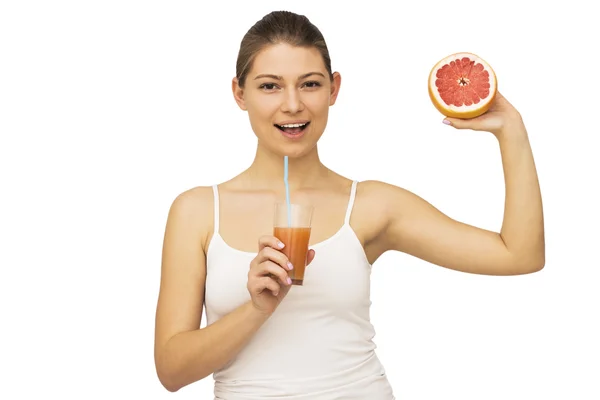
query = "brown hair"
x=279 y=27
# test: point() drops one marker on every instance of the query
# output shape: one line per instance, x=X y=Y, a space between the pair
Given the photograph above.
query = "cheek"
x=264 y=107
x=318 y=105
x=321 y=96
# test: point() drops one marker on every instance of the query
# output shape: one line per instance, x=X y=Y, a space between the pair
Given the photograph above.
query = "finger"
x=269 y=241
x=270 y=254
x=480 y=123
x=269 y=268
x=266 y=283
x=310 y=257
x=458 y=123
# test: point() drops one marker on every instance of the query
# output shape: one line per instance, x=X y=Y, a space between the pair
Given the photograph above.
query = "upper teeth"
x=293 y=125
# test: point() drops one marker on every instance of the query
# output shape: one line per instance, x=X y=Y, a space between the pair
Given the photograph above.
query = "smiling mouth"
x=293 y=129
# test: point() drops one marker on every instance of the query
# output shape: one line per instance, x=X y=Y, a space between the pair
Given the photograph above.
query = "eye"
x=268 y=86
x=312 y=84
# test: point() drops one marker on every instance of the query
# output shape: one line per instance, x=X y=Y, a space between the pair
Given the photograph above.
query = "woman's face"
x=287 y=95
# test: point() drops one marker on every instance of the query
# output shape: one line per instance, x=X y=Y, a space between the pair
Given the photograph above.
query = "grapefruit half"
x=462 y=85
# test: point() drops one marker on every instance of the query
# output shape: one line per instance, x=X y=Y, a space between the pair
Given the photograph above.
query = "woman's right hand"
x=268 y=280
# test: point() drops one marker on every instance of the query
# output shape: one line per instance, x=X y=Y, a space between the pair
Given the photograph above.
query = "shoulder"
x=196 y=202
x=375 y=206
x=194 y=210
x=392 y=215
x=387 y=203
x=381 y=194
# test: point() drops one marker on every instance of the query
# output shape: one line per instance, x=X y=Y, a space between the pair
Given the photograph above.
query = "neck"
x=267 y=170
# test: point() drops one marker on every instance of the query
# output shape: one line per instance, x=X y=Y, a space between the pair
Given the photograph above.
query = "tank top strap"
x=216 y=209
x=350 y=202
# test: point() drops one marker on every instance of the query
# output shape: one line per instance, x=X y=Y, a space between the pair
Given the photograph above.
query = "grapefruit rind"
x=463 y=112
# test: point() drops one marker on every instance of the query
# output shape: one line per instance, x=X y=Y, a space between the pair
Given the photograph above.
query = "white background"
x=110 y=109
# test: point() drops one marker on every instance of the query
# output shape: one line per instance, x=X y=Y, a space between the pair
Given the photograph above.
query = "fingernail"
x=281 y=245
x=289 y=265
x=447 y=122
x=289 y=281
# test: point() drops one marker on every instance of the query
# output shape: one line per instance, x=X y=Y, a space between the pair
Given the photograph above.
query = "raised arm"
x=417 y=228
x=184 y=353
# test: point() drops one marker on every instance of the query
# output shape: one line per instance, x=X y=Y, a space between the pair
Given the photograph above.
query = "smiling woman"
x=265 y=338
x=292 y=129
x=289 y=90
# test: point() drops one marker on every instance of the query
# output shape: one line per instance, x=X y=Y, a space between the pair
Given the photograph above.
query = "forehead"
x=286 y=60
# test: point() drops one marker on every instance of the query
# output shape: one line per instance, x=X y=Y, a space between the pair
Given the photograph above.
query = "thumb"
x=310 y=257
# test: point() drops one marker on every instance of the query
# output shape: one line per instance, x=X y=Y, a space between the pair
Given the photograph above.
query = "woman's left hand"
x=499 y=119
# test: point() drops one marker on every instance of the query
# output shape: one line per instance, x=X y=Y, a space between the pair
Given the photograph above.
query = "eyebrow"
x=280 y=78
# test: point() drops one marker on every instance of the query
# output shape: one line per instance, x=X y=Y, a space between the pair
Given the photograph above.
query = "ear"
x=238 y=94
x=335 y=88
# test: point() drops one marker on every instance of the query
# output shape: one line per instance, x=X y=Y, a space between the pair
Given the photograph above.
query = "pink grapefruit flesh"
x=462 y=85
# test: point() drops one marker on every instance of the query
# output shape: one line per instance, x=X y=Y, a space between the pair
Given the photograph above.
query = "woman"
x=263 y=339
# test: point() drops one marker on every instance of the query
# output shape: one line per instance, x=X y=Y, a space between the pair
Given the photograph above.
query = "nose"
x=292 y=102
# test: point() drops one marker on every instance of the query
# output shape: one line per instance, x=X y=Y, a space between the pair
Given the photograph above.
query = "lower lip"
x=293 y=136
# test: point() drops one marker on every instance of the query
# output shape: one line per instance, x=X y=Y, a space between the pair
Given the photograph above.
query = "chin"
x=293 y=150
x=286 y=146
x=298 y=153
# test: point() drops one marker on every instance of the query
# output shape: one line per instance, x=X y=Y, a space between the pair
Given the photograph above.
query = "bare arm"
x=419 y=229
x=523 y=226
x=183 y=352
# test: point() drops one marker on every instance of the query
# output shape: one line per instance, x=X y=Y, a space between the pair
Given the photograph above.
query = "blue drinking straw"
x=287 y=190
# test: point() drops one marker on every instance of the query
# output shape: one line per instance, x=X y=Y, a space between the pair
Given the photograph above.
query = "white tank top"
x=317 y=344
